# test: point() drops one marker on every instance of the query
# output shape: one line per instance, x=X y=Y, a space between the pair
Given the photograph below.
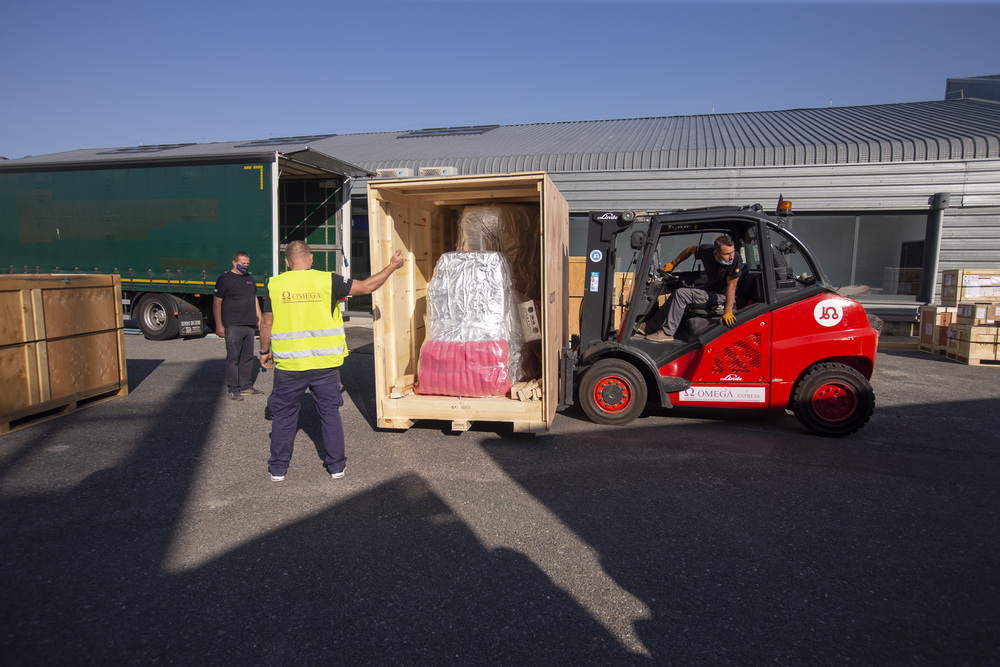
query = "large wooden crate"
x=971 y=344
x=976 y=285
x=420 y=216
x=61 y=345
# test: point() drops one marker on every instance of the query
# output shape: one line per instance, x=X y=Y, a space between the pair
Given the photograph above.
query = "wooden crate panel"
x=16 y=323
x=83 y=363
x=19 y=377
x=78 y=310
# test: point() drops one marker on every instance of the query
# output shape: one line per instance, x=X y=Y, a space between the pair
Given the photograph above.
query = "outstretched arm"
x=687 y=252
x=372 y=283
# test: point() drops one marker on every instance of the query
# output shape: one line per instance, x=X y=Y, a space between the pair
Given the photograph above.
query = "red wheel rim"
x=834 y=402
x=612 y=394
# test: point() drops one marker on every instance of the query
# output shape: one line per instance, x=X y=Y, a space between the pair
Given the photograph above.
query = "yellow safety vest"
x=306 y=335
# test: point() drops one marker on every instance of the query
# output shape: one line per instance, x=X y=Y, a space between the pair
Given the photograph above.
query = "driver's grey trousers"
x=670 y=315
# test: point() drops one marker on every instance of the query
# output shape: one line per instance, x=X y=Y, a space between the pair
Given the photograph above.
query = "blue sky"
x=113 y=74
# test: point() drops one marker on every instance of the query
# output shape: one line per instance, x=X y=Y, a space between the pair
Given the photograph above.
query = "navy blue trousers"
x=284 y=403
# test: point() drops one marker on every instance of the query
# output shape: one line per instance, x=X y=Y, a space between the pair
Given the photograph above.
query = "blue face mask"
x=724 y=262
x=243 y=268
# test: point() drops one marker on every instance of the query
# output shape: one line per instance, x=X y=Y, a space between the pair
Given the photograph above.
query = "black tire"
x=156 y=317
x=612 y=392
x=833 y=399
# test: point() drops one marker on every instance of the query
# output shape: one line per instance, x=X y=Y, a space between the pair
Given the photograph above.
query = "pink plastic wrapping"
x=463 y=368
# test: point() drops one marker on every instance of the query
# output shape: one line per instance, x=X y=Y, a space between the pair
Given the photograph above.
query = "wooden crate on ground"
x=420 y=216
x=971 y=344
x=62 y=345
x=934 y=322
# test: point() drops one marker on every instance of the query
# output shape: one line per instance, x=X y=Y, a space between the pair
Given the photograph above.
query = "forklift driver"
x=723 y=267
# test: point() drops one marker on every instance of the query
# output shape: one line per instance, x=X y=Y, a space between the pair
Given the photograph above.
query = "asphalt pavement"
x=146 y=530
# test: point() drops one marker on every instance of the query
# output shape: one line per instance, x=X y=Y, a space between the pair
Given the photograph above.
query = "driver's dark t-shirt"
x=718 y=274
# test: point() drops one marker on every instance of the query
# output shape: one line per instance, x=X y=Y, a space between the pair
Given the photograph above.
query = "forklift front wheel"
x=612 y=392
x=833 y=399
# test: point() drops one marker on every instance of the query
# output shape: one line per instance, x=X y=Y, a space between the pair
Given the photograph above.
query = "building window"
x=881 y=251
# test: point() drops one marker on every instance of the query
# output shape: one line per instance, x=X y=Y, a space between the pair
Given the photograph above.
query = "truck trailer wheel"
x=156 y=317
x=612 y=392
x=833 y=399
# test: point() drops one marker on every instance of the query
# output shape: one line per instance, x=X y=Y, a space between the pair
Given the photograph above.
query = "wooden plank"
x=18 y=377
x=555 y=278
x=449 y=408
x=16 y=321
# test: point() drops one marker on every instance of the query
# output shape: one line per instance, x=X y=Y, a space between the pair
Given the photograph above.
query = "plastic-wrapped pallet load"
x=473 y=330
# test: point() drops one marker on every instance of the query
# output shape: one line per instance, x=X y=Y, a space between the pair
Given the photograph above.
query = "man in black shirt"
x=723 y=266
x=237 y=315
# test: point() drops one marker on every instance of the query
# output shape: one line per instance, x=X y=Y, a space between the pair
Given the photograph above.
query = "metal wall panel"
x=857 y=187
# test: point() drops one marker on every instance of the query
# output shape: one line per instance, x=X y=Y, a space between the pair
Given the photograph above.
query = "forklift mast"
x=599 y=279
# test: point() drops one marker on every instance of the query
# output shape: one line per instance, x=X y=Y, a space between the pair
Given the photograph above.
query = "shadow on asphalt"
x=769 y=547
x=140 y=369
x=748 y=545
x=388 y=576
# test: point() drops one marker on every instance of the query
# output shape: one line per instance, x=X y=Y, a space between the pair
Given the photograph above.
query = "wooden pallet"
x=971 y=361
x=43 y=412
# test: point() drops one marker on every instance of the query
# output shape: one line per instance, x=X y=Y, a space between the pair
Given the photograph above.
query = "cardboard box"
x=420 y=217
x=970 y=285
x=62 y=345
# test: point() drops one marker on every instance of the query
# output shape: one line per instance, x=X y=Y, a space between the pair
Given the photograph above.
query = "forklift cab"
x=776 y=267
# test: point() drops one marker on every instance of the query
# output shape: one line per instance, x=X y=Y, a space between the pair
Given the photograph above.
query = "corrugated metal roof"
x=913 y=131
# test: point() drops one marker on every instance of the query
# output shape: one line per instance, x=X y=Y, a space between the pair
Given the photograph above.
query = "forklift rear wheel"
x=156 y=317
x=833 y=399
x=612 y=392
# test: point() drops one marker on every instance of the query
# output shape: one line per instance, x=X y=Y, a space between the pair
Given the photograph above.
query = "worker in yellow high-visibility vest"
x=302 y=338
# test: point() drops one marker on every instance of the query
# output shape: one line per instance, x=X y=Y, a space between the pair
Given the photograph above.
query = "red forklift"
x=796 y=344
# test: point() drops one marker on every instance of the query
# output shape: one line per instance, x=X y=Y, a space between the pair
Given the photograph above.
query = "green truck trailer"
x=168 y=220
